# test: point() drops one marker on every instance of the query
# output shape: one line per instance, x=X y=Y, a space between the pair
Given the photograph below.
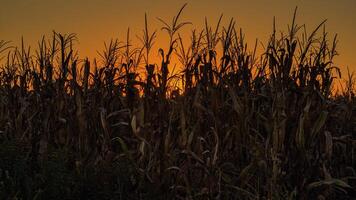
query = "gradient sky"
x=96 y=21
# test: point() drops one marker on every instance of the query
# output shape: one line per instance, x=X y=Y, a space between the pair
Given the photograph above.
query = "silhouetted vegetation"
x=225 y=124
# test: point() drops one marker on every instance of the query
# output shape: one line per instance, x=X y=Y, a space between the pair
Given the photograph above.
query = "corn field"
x=225 y=123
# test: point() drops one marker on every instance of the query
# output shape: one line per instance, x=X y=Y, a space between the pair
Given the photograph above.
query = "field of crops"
x=225 y=123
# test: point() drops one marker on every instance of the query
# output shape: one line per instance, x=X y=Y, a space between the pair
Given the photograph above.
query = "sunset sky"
x=96 y=21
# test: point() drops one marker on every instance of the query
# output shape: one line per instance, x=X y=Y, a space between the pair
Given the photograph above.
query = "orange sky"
x=96 y=21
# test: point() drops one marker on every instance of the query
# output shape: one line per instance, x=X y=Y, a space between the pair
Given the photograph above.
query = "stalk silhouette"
x=240 y=126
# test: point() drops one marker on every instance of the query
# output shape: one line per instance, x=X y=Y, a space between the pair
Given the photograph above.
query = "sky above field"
x=97 y=21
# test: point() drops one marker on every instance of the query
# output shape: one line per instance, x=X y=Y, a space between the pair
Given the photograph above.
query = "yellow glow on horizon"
x=96 y=21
